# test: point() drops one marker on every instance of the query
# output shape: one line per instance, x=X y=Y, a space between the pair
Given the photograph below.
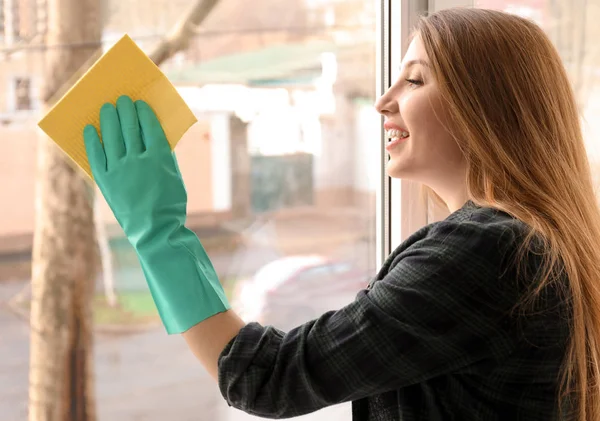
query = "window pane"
x=281 y=172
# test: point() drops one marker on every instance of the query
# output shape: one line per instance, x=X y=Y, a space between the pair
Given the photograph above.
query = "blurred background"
x=282 y=171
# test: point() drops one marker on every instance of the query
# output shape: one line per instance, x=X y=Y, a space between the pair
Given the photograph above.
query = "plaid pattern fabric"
x=432 y=338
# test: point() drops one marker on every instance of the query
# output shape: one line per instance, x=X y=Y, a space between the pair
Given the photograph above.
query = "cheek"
x=425 y=119
x=418 y=114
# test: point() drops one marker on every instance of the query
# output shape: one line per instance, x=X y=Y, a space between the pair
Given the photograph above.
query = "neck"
x=455 y=196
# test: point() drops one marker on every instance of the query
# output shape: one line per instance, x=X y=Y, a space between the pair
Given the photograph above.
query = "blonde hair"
x=514 y=114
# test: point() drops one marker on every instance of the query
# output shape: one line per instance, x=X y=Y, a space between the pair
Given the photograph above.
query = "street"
x=142 y=377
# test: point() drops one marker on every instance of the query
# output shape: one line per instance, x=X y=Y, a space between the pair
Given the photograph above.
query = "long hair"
x=514 y=115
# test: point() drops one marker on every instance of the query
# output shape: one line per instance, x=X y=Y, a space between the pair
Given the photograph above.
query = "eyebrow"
x=413 y=62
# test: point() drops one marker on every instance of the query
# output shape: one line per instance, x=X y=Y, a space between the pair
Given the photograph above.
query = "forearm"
x=188 y=294
x=208 y=338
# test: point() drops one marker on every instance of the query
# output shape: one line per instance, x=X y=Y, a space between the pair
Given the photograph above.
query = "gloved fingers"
x=152 y=131
x=130 y=126
x=112 y=137
x=94 y=149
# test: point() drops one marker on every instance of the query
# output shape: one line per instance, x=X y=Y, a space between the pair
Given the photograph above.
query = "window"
x=10 y=20
x=285 y=169
x=22 y=20
x=2 y=17
x=23 y=96
x=282 y=170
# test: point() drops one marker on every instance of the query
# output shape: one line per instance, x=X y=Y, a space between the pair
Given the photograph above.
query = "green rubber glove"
x=138 y=175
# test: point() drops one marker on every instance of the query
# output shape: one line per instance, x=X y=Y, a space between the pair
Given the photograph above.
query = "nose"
x=387 y=104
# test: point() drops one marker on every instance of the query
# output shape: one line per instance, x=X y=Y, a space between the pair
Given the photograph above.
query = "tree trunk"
x=65 y=256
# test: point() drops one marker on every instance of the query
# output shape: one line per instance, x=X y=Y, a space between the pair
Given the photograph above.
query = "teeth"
x=396 y=134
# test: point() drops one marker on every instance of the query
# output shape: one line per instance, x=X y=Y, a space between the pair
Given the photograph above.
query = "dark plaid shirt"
x=432 y=338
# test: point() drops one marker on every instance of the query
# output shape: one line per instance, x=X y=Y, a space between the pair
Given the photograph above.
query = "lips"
x=391 y=126
x=395 y=134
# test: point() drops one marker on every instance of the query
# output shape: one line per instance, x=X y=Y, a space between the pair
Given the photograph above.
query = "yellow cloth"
x=123 y=70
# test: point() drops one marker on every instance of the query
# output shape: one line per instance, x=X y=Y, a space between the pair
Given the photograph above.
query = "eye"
x=414 y=82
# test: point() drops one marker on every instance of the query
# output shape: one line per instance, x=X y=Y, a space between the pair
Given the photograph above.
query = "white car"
x=292 y=290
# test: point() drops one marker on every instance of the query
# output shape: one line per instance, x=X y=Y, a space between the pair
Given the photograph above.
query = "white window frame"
x=401 y=207
x=382 y=213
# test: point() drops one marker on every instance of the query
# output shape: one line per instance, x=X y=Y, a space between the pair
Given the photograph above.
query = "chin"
x=397 y=170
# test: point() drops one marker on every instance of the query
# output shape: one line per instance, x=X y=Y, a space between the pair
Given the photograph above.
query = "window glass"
x=281 y=171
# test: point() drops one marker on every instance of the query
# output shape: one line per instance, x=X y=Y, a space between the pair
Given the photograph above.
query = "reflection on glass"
x=281 y=177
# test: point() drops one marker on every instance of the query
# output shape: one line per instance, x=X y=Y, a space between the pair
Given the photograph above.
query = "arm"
x=437 y=311
x=208 y=339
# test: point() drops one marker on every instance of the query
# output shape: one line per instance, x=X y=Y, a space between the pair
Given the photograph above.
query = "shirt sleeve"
x=441 y=307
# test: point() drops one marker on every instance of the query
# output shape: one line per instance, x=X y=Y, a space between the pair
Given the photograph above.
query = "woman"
x=491 y=314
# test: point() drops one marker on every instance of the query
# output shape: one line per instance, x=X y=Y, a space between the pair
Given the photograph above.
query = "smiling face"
x=421 y=147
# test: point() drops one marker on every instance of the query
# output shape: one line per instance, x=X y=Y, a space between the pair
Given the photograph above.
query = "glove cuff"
x=182 y=280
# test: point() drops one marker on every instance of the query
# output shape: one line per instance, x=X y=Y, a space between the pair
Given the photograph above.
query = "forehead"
x=415 y=52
